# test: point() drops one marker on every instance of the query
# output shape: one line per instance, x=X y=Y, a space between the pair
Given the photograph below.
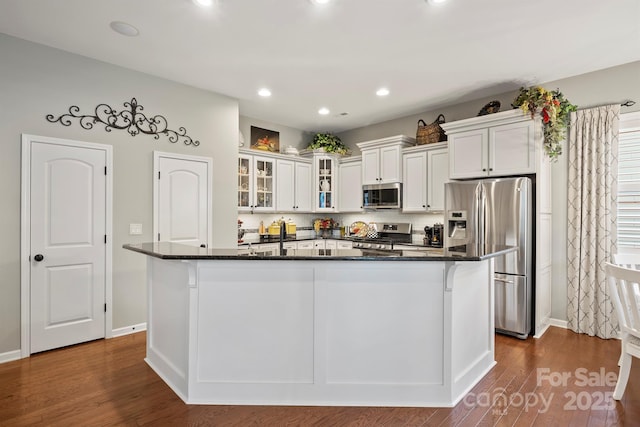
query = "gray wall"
x=609 y=86
x=35 y=81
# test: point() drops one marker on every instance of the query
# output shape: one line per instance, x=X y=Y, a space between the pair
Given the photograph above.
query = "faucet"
x=283 y=233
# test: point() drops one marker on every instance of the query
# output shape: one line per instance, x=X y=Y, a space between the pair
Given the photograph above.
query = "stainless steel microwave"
x=382 y=196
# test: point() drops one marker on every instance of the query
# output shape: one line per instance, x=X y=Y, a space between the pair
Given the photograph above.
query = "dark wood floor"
x=107 y=382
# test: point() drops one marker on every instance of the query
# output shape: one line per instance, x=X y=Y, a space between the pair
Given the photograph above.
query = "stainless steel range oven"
x=386 y=235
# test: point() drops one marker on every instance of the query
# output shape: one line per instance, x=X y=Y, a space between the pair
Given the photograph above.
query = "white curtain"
x=592 y=199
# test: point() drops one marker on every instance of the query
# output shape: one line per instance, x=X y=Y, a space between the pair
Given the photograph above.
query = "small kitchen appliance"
x=433 y=236
x=382 y=196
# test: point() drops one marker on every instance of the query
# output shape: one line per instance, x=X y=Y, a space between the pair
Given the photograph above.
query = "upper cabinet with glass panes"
x=256 y=183
x=326 y=171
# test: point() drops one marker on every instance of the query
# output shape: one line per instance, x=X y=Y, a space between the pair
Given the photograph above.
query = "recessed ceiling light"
x=436 y=1
x=383 y=91
x=319 y=1
x=264 y=92
x=323 y=111
x=124 y=28
x=203 y=3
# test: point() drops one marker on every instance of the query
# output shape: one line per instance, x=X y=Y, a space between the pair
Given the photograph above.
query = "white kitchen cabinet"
x=382 y=159
x=293 y=187
x=319 y=244
x=245 y=182
x=264 y=176
x=331 y=244
x=425 y=170
x=256 y=183
x=344 y=244
x=499 y=144
x=289 y=245
x=266 y=249
x=350 y=185
x=305 y=244
x=326 y=176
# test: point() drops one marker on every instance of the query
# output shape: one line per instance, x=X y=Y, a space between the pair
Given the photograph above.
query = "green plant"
x=554 y=110
x=329 y=142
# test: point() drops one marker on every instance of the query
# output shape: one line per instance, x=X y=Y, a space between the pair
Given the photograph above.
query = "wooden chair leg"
x=623 y=376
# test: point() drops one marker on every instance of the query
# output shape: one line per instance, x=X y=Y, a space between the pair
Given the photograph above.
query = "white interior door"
x=182 y=202
x=68 y=230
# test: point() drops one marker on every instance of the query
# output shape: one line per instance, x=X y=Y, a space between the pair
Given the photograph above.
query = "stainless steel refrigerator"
x=498 y=212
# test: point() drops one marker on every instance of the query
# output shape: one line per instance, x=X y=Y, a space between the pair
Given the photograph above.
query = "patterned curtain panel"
x=593 y=170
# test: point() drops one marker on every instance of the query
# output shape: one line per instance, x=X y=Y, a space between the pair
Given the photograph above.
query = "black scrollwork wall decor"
x=130 y=119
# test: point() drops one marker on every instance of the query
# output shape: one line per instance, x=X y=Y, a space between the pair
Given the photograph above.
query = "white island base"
x=305 y=332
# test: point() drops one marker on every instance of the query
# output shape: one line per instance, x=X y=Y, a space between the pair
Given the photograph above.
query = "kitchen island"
x=320 y=327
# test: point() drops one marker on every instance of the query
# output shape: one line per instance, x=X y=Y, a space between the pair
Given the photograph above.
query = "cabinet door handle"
x=428 y=206
x=490 y=169
x=484 y=169
x=424 y=206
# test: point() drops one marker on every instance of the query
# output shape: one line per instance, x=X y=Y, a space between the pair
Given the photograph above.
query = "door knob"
x=203 y=245
x=38 y=257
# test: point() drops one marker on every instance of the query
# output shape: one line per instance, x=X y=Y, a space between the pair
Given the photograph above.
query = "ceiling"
x=337 y=55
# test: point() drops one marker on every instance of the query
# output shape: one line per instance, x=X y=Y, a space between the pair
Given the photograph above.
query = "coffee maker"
x=433 y=236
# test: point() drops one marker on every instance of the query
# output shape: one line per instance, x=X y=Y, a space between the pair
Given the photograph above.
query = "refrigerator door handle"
x=503 y=280
x=481 y=211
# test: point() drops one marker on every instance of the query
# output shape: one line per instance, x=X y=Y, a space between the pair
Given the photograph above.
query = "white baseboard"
x=132 y=329
x=10 y=356
x=17 y=354
x=542 y=331
x=559 y=323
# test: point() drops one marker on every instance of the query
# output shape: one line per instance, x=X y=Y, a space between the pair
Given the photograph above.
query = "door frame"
x=156 y=189
x=25 y=234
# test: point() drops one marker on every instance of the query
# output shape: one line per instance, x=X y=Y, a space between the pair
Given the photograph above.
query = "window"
x=629 y=184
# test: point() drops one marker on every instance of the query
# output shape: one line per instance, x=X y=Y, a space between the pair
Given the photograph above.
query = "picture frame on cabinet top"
x=265 y=139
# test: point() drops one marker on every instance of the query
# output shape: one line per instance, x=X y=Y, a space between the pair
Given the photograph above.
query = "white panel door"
x=371 y=166
x=468 y=154
x=390 y=166
x=304 y=187
x=68 y=245
x=350 y=187
x=438 y=172
x=512 y=149
x=414 y=198
x=183 y=199
x=285 y=186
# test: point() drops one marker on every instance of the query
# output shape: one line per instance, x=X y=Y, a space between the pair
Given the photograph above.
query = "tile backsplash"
x=304 y=222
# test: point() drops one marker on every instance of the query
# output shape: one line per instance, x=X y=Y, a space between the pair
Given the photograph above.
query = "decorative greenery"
x=554 y=109
x=329 y=142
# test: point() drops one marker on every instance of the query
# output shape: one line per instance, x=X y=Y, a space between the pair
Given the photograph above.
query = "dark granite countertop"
x=176 y=251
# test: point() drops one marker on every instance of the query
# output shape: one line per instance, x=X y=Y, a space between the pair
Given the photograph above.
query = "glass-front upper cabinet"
x=245 y=184
x=256 y=183
x=325 y=183
x=264 y=183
